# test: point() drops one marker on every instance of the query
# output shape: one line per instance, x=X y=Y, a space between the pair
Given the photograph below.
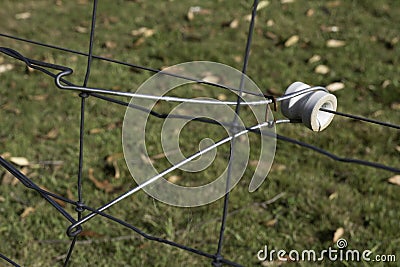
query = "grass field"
x=312 y=197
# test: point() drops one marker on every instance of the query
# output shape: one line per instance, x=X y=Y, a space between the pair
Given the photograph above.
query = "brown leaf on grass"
x=398 y=148
x=9 y=107
x=262 y=4
x=9 y=179
x=39 y=97
x=52 y=134
x=20 y=161
x=111 y=160
x=314 y=58
x=271 y=223
x=5 y=155
x=292 y=40
x=329 y=28
x=322 y=69
x=69 y=194
x=110 y=44
x=59 y=202
x=334 y=3
x=395 y=106
x=146 y=159
x=81 y=29
x=23 y=15
x=394 y=180
x=336 y=86
x=234 y=24
x=278 y=167
x=333 y=43
x=333 y=196
x=211 y=78
x=143 y=31
x=110 y=126
x=272 y=36
x=89 y=233
x=310 y=12
x=338 y=234
x=196 y=10
x=2 y=199
x=103 y=185
x=174 y=178
x=26 y=212
x=6 y=67
x=222 y=97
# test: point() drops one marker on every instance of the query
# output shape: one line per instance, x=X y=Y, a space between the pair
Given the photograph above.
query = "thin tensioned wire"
x=218 y=255
x=359 y=118
x=129 y=64
x=83 y=97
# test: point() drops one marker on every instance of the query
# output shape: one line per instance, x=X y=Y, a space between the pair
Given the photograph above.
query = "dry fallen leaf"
x=234 y=24
x=59 y=202
x=24 y=15
x=146 y=159
x=209 y=77
x=314 y=58
x=385 y=83
x=174 y=178
x=89 y=233
x=322 y=69
x=110 y=44
x=143 y=31
x=329 y=28
x=81 y=29
x=270 y=23
x=333 y=195
x=26 y=212
x=6 y=67
x=310 y=12
x=20 y=161
x=271 y=223
x=2 y=199
x=262 y=4
x=395 y=106
x=8 y=178
x=104 y=185
x=278 y=167
x=292 y=40
x=398 y=148
x=338 y=234
x=287 y=1
x=336 y=86
x=39 y=97
x=222 y=97
x=394 y=180
x=333 y=3
x=112 y=160
x=52 y=134
x=333 y=43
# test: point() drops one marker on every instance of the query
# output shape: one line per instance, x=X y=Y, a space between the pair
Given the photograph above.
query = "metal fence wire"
x=59 y=73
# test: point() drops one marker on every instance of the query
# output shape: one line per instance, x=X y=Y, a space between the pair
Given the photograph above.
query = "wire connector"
x=307 y=107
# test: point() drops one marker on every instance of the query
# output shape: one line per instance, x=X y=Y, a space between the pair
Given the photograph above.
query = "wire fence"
x=59 y=73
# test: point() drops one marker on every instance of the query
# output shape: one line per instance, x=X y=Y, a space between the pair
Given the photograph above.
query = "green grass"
x=366 y=205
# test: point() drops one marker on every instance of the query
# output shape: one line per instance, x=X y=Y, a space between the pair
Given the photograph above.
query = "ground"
x=307 y=197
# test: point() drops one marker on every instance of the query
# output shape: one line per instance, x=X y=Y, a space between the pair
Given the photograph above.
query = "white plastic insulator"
x=306 y=107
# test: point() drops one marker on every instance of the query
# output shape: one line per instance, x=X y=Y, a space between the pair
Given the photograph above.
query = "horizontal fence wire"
x=50 y=197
